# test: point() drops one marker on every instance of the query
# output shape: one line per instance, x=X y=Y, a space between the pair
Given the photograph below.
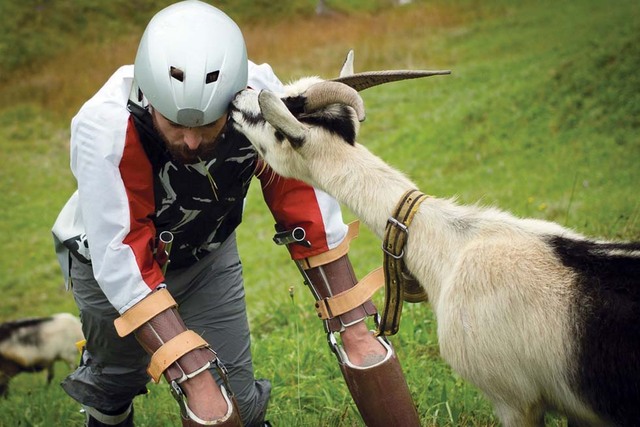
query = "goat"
x=35 y=344
x=537 y=316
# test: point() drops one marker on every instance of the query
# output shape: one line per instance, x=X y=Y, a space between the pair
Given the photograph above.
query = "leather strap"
x=395 y=274
x=153 y=304
x=172 y=350
x=328 y=308
x=335 y=253
x=329 y=280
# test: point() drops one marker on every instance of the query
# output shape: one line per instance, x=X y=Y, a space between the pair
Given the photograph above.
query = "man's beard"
x=181 y=153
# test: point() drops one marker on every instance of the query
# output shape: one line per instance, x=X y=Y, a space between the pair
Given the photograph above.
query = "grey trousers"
x=210 y=297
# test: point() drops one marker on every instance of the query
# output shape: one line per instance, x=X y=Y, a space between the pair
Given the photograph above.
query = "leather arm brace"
x=340 y=299
x=176 y=352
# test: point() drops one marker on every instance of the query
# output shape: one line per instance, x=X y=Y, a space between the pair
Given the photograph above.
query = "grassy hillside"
x=39 y=30
x=541 y=116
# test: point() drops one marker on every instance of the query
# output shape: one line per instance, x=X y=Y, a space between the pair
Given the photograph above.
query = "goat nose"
x=192 y=139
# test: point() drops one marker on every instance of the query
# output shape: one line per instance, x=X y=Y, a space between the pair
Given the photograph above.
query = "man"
x=153 y=157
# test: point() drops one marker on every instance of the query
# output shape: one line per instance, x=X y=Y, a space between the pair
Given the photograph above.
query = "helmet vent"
x=212 y=76
x=177 y=74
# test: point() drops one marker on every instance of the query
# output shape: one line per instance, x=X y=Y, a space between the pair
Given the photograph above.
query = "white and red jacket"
x=130 y=190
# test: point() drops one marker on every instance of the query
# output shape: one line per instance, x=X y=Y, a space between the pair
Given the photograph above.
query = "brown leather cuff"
x=161 y=329
x=333 y=278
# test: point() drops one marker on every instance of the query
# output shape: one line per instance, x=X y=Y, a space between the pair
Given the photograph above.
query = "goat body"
x=537 y=316
x=35 y=344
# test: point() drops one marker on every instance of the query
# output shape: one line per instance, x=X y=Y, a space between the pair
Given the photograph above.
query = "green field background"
x=540 y=116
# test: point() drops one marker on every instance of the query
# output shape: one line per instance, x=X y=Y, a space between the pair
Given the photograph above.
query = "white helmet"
x=191 y=61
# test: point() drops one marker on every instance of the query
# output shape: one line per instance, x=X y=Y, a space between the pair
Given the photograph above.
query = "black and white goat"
x=537 y=316
x=35 y=344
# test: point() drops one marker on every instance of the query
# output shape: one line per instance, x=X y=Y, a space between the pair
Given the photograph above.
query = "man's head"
x=185 y=144
x=191 y=61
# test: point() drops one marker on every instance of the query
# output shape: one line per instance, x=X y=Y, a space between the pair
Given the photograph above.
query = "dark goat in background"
x=35 y=344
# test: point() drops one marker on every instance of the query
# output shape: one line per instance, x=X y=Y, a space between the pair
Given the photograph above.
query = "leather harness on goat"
x=399 y=284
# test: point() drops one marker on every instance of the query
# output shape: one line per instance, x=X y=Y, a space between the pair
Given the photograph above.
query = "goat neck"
x=361 y=181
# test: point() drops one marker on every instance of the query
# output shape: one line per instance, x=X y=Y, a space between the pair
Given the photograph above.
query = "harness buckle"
x=391 y=254
x=403 y=228
x=398 y=224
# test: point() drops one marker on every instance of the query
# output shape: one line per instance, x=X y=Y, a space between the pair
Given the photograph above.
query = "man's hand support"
x=176 y=351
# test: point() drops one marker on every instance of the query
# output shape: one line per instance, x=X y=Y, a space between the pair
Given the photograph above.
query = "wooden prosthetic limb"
x=379 y=390
x=176 y=352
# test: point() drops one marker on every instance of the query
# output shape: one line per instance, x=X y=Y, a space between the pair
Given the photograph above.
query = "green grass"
x=540 y=117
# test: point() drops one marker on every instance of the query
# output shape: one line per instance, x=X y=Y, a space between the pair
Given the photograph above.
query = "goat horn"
x=332 y=92
x=365 y=80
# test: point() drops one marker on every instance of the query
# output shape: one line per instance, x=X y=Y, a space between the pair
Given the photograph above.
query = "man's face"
x=188 y=145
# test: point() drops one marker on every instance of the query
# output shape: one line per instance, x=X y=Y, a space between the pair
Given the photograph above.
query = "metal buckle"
x=390 y=254
x=394 y=222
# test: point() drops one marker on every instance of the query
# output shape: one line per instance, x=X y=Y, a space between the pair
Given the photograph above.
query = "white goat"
x=35 y=344
x=537 y=316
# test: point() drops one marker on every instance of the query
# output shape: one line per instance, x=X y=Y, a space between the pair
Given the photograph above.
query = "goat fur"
x=35 y=344
x=537 y=316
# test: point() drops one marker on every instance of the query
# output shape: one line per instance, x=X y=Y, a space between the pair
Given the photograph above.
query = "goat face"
x=292 y=134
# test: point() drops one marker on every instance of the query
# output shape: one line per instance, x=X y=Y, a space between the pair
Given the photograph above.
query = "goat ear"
x=347 y=66
x=278 y=115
